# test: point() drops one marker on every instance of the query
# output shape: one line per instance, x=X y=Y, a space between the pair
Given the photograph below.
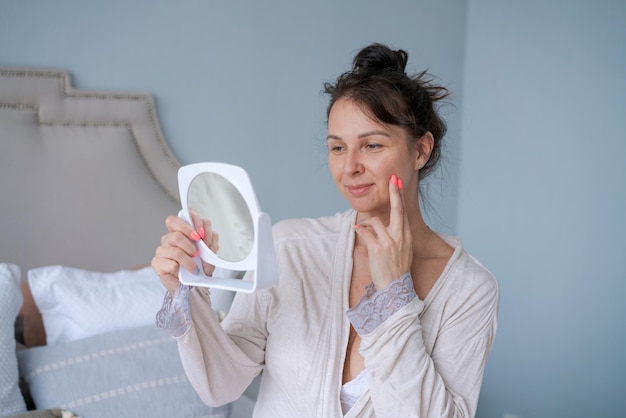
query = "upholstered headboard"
x=86 y=177
x=86 y=181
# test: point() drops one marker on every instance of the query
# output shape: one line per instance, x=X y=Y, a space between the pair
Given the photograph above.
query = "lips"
x=358 y=189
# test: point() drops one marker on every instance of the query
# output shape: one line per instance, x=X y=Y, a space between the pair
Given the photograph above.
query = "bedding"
x=46 y=413
x=11 y=401
x=106 y=356
x=125 y=373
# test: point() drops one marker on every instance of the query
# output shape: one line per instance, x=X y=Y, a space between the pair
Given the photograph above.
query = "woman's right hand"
x=178 y=249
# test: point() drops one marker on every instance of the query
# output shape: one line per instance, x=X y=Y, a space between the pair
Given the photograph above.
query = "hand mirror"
x=223 y=194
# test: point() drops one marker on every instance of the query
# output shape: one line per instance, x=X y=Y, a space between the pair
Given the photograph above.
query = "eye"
x=372 y=146
x=336 y=148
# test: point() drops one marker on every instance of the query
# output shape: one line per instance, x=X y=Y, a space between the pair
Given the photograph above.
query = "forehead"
x=346 y=112
x=349 y=118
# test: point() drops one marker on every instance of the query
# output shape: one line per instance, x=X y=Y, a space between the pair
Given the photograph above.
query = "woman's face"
x=362 y=156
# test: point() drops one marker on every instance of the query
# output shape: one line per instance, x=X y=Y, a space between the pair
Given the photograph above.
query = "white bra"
x=351 y=391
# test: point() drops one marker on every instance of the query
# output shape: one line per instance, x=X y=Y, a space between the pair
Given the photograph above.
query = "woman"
x=375 y=315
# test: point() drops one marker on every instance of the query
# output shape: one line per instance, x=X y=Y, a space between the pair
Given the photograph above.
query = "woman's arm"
x=406 y=380
x=219 y=365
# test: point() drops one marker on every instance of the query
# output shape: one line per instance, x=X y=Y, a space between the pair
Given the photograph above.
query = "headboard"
x=86 y=177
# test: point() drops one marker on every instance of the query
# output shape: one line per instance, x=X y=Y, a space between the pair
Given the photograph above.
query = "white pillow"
x=11 y=401
x=76 y=303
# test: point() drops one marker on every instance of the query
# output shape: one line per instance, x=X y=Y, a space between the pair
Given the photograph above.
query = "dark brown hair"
x=378 y=82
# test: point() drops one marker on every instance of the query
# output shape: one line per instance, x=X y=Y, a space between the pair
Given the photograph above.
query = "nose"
x=352 y=163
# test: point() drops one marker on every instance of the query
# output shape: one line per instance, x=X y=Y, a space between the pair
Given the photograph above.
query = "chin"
x=366 y=207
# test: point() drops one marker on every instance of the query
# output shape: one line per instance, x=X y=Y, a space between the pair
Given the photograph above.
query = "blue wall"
x=542 y=200
x=241 y=82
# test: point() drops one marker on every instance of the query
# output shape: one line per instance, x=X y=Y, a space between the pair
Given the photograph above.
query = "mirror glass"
x=211 y=196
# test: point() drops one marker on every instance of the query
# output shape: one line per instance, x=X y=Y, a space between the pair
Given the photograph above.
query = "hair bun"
x=378 y=58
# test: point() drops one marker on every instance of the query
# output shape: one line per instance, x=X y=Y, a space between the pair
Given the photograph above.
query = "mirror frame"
x=260 y=263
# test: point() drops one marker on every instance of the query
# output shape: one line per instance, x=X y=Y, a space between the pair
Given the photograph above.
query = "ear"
x=424 y=147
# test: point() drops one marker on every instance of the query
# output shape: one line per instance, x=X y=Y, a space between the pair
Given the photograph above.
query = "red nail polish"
x=201 y=232
x=394 y=179
x=195 y=255
x=400 y=184
x=194 y=236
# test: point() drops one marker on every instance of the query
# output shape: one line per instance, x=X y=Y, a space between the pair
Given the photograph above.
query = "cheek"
x=334 y=168
x=384 y=170
x=406 y=168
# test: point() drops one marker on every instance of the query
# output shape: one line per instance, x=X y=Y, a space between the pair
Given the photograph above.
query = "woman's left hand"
x=389 y=248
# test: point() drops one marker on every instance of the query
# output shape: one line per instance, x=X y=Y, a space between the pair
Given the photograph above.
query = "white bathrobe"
x=425 y=360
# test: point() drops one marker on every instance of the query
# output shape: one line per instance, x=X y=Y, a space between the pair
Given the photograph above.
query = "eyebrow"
x=363 y=135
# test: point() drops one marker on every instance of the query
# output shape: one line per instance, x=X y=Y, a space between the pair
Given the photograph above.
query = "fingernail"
x=356 y=226
x=394 y=179
x=201 y=232
x=194 y=236
x=400 y=184
x=195 y=254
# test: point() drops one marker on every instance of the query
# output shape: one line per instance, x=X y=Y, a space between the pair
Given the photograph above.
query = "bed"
x=87 y=180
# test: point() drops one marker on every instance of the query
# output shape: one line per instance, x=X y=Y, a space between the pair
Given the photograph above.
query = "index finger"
x=397 y=214
x=178 y=224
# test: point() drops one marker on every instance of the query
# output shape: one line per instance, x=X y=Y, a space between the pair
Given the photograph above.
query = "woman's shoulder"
x=308 y=228
x=468 y=276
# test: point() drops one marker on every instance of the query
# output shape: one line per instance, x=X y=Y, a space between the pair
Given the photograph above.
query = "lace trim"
x=174 y=317
x=376 y=306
